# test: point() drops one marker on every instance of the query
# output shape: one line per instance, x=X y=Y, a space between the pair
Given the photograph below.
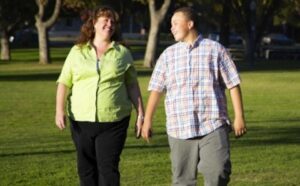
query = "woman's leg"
x=109 y=145
x=86 y=156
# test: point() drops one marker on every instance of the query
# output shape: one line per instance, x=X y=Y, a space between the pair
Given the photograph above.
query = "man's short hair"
x=190 y=14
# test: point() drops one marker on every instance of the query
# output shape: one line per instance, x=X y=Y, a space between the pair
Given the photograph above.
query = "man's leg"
x=215 y=157
x=184 y=159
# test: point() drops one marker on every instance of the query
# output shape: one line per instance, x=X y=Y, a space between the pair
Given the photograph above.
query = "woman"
x=103 y=84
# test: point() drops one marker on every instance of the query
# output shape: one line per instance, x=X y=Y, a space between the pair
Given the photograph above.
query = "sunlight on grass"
x=34 y=152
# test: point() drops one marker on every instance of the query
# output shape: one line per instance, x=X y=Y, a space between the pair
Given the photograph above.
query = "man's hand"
x=147 y=130
x=239 y=127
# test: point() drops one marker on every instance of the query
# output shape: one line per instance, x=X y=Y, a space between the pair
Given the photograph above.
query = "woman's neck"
x=101 y=45
x=101 y=42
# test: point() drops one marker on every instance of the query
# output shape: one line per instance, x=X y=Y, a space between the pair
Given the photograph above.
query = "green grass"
x=34 y=152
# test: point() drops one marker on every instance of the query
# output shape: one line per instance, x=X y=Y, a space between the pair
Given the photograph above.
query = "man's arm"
x=239 y=125
x=151 y=107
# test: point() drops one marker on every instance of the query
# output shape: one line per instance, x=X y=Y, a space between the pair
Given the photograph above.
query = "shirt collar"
x=195 y=44
x=113 y=45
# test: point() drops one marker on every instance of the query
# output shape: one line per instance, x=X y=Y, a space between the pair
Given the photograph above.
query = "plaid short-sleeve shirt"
x=194 y=79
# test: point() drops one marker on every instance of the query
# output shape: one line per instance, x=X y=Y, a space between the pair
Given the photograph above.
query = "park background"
x=34 y=152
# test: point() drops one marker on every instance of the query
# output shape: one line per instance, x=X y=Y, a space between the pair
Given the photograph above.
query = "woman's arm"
x=60 y=117
x=136 y=99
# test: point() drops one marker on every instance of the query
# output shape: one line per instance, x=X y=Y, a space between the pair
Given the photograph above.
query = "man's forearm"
x=237 y=102
x=152 y=104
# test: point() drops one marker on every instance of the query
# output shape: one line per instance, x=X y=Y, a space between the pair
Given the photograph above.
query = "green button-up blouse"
x=98 y=86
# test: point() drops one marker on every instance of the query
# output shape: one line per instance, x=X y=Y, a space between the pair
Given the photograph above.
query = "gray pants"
x=209 y=155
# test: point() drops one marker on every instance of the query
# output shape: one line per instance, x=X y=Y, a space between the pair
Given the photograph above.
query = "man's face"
x=180 y=26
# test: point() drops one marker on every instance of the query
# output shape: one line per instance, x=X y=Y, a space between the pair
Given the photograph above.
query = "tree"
x=288 y=15
x=156 y=17
x=225 y=22
x=13 y=15
x=247 y=12
x=42 y=27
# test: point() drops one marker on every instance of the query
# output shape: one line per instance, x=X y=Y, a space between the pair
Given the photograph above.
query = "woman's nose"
x=110 y=22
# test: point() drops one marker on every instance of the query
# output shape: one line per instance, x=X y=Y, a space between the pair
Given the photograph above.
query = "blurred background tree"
x=43 y=24
x=249 y=19
x=14 y=15
x=157 y=15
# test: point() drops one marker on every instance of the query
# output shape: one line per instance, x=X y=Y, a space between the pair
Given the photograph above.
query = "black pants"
x=99 y=146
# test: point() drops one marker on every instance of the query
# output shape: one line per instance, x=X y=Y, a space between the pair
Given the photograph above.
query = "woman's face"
x=105 y=26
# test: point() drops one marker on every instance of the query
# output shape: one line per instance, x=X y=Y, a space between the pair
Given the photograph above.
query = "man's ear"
x=191 y=24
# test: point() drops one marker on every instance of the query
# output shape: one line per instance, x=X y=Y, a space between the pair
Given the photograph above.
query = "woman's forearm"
x=60 y=97
x=136 y=98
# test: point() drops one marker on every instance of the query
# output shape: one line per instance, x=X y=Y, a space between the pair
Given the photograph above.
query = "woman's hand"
x=60 y=120
x=138 y=126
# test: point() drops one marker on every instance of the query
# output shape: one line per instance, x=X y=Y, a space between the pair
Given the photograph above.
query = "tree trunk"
x=43 y=44
x=42 y=27
x=150 y=54
x=225 y=27
x=157 y=17
x=5 y=50
x=250 y=52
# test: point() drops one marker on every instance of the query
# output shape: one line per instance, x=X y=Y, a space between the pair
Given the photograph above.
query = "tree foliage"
x=254 y=16
x=289 y=13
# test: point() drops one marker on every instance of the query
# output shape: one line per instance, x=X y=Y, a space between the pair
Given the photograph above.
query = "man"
x=194 y=73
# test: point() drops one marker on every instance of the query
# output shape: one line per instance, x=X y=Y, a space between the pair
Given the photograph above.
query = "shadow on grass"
x=37 y=153
x=270 y=135
x=49 y=76
x=30 y=77
x=269 y=65
x=257 y=136
x=146 y=146
x=31 y=60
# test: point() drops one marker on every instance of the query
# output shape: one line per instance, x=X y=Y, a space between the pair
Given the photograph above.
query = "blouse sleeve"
x=65 y=76
x=130 y=74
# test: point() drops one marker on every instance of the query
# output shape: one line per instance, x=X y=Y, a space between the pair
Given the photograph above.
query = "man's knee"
x=217 y=175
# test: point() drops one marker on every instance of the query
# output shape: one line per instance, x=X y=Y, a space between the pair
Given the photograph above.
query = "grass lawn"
x=34 y=152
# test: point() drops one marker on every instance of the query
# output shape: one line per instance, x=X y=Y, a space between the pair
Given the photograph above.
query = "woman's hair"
x=190 y=14
x=87 y=32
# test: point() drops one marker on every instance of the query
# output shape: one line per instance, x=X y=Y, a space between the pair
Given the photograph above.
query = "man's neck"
x=191 y=38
